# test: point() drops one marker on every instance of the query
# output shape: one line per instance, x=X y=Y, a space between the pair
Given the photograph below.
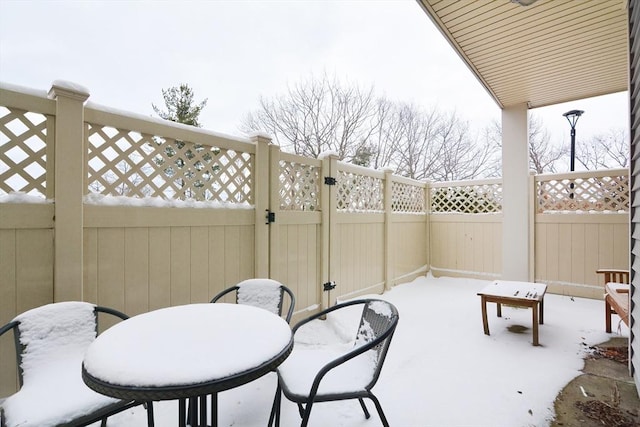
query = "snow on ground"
x=441 y=370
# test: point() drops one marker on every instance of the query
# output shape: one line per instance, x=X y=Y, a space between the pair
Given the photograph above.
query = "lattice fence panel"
x=126 y=163
x=407 y=198
x=299 y=188
x=359 y=193
x=468 y=199
x=596 y=194
x=23 y=152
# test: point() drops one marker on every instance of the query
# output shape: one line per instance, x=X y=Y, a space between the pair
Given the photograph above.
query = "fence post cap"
x=328 y=154
x=260 y=135
x=68 y=90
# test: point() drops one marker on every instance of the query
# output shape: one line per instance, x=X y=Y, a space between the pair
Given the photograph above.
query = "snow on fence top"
x=131 y=156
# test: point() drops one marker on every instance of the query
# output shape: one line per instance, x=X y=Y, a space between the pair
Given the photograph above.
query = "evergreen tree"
x=180 y=106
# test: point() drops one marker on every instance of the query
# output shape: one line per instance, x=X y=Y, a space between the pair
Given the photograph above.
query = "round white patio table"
x=187 y=352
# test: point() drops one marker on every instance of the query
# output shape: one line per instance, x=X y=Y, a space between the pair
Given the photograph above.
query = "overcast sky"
x=233 y=52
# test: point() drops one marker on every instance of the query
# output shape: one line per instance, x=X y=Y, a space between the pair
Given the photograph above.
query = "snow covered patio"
x=441 y=370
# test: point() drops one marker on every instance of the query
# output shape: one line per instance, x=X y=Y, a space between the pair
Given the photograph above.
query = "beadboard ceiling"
x=549 y=52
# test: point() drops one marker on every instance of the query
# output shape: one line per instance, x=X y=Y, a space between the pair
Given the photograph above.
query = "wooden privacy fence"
x=579 y=222
x=137 y=213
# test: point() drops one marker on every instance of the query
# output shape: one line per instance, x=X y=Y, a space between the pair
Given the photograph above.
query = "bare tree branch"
x=318 y=115
x=605 y=151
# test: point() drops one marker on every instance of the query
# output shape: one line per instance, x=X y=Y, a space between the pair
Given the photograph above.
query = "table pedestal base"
x=197 y=413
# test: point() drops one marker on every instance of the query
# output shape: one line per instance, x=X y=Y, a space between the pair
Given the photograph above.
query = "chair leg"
x=607 y=313
x=182 y=412
x=383 y=418
x=150 y=420
x=364 y=408
x=103 y=423
x=192 y=412
x=275 y=408
x=307 y=413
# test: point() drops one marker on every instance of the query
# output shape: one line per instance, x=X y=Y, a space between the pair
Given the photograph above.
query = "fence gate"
x=297 y=238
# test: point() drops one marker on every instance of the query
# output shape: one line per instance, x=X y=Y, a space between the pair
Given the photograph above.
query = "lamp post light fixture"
x=572 y=117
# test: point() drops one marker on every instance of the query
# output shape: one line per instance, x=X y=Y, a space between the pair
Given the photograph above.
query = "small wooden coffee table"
x=519 y=294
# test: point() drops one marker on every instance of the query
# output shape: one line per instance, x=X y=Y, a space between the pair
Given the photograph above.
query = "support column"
x=69 y=190
x=515 y=194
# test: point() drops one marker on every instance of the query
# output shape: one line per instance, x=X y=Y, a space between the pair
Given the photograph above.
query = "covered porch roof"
x=542 y=54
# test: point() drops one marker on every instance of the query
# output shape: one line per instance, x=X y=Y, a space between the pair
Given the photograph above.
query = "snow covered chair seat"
x=50 y=344
x=262 y=293
x=616 y=295
x=326 y=373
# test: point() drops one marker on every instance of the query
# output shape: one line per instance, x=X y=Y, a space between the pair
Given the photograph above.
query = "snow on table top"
x=512 y=289
x=186 y=344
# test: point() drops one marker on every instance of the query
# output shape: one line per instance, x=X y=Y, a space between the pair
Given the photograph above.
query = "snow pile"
x=22 y=197
x=159 y=202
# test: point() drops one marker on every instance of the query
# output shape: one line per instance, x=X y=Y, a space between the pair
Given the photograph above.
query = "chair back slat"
x=378 y=322
x=614 y=275
x=262 y=293
x=54 y=331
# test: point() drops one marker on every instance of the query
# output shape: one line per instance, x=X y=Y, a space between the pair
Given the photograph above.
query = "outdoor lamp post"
x=572 y=117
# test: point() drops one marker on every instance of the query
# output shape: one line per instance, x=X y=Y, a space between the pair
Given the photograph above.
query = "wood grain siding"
x=299 y=262
x=570 y=247
x=26 y=273
x=466 y=244
x=136 y=269
x=359 y=254
x=408 y=253
x=634 y=232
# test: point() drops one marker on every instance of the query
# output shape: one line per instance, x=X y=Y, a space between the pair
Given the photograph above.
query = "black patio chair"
x=263 y=293
x=50 y=343
x=318 y=374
